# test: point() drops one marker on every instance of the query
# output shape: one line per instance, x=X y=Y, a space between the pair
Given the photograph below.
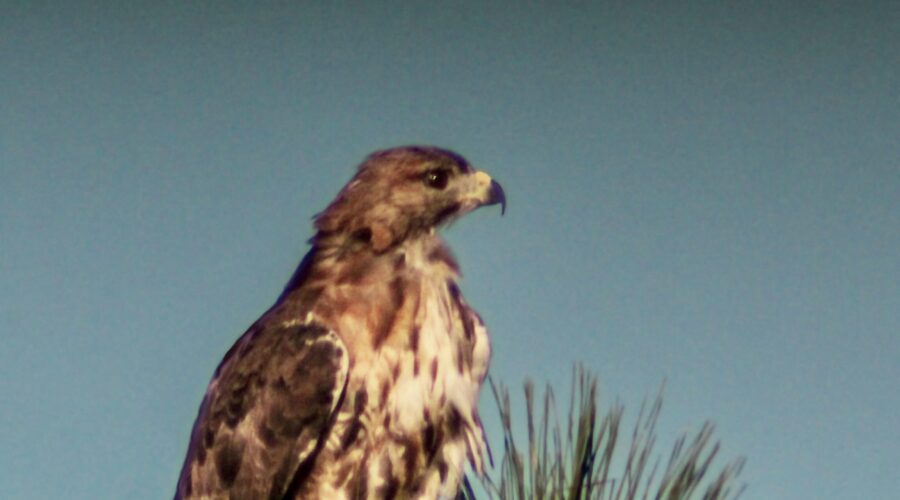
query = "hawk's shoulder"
x=251 y=438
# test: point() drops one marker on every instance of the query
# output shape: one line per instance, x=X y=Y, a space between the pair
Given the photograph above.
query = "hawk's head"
x=402 y=192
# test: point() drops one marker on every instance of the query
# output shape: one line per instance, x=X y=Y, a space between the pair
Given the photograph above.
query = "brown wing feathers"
x=252 y=435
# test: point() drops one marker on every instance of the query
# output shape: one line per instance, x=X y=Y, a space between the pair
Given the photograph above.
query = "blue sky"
x=703 y=193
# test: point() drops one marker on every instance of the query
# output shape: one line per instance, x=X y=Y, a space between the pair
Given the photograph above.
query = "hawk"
x=362 y=380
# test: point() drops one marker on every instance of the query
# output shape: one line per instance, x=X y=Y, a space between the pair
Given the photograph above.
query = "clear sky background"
x=701 y=193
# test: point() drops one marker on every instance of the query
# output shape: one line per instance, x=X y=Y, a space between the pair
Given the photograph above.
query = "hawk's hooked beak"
x=490 y=191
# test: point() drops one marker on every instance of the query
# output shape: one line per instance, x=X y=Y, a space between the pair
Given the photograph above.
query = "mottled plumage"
x=362 y=380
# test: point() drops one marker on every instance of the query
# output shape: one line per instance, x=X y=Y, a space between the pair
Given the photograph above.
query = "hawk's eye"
x=437 y=178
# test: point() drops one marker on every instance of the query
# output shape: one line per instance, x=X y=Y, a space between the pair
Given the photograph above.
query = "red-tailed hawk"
x=362 y=380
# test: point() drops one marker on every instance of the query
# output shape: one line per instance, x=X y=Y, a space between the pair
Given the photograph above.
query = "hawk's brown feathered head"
x=401 y=192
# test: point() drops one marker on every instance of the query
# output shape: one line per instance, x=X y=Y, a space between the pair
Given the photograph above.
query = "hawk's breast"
x=409 y=419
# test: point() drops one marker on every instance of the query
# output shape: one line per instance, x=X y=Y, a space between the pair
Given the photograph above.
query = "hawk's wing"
x=266 y=413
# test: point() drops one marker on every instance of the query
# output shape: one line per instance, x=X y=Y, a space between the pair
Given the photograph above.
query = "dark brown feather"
x=262 y=379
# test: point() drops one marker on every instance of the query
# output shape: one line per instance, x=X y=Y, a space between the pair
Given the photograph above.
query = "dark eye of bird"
x=437 y=178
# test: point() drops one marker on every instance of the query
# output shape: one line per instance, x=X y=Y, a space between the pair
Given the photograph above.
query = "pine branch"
x=576 y=462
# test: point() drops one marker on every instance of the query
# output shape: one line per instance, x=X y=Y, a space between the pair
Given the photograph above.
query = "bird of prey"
x=362 y=380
